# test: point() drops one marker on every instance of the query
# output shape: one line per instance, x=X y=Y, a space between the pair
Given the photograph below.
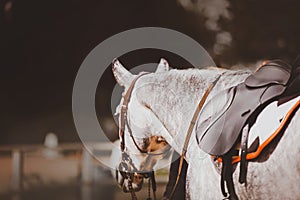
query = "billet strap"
x=190 y=130
x=124 y=108
x=244 y=151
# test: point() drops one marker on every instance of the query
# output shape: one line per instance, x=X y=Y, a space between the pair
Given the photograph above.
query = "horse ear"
x=162 y=66
x=122 y=75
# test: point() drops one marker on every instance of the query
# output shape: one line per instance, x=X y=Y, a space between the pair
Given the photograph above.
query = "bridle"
x=127 y=168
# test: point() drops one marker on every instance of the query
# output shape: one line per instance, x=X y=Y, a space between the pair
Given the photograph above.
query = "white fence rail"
x=18 y=159
x=86 y=163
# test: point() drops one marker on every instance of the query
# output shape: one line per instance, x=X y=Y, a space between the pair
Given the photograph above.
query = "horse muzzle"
x=130 y=181
x=135 y=185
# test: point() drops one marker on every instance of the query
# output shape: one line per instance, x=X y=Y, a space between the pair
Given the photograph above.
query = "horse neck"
x=173 y=96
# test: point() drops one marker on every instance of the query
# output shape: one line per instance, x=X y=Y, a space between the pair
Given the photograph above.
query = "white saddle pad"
x=269 y=120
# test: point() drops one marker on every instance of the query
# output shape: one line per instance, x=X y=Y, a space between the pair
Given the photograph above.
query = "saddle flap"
x=221 y=134
x=275 y=72
x=215 y=108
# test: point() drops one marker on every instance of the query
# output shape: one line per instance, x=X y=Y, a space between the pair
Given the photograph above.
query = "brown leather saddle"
x=243 y=104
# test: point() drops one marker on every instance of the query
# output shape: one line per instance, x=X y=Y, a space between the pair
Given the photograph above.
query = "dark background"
x=43 y=43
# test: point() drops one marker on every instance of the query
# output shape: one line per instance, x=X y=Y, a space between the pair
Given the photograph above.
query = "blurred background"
x=42 y=45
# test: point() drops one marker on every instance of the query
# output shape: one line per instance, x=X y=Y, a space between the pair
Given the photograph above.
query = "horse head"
x=141 y=133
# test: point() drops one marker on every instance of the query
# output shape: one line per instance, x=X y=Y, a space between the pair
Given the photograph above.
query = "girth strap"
x=226 y=178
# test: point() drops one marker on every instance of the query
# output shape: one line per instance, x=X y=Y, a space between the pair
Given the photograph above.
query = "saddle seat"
x=240 y=105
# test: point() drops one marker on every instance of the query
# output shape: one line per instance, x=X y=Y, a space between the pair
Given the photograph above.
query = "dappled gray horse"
x=158 y=114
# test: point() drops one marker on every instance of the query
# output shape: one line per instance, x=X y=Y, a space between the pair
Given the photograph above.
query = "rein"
x=190 y=130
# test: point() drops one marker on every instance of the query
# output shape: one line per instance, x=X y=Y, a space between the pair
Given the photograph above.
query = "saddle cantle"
x=243 y=104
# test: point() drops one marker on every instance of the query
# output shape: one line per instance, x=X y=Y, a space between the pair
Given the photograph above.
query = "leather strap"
x=244 y=148
x=190 y=130
x=124 y=108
